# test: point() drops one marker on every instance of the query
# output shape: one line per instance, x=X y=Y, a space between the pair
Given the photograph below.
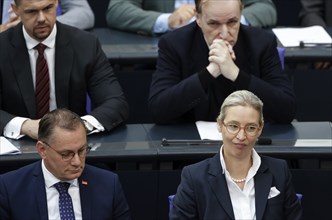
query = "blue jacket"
x=23 y=195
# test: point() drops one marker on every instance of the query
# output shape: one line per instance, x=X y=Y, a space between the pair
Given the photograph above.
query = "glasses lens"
x=233 y=128
x=250 y=130
x=68 y=156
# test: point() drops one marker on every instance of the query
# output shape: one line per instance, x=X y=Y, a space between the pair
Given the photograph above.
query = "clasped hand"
x=221 y=58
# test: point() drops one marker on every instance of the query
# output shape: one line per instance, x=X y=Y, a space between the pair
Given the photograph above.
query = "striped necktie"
x=42 y=92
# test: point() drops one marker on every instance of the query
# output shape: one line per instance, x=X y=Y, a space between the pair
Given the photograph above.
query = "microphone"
x=264 y=141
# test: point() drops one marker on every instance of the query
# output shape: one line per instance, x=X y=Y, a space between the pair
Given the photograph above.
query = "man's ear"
x=41 y=148
x=198 y=19
x=14 y=8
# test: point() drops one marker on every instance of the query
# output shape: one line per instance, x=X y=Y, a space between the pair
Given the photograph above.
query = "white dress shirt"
x=243 y=201
x=52 y=195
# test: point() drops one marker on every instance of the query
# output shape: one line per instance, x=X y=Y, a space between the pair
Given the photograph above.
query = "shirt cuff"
x=92 y=124
x=161 y=24
x=244 y=21
x=13 y=128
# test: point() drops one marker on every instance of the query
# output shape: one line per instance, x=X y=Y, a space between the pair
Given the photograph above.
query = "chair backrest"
x=299 y=196
x=170 y=201
x=88 y=104
x=281 y=51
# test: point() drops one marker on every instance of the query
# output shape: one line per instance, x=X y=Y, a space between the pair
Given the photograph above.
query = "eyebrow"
x=36 y=9
x=81 y=148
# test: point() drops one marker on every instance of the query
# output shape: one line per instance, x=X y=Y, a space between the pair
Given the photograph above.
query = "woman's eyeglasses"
x=234 y=128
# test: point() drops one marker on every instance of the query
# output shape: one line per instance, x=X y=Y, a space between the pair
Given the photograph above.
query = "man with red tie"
x=76 y=67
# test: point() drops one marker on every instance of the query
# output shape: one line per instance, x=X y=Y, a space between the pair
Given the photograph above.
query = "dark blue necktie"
x=65 y=202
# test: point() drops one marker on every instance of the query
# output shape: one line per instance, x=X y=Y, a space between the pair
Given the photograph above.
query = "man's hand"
x=30 y=128
x=181 y=16
x=222 y=54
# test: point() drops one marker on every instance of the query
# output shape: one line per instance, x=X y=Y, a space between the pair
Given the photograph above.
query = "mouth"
x=42 y=27
x=240 y=145
x=76 y=171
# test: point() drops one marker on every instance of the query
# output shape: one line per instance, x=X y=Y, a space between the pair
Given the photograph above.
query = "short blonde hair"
x=241 y=98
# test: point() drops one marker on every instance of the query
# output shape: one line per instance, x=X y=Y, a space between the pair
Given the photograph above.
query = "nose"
x=41 y=16
x=241 y=135
x=223 y=31
x=76 y=160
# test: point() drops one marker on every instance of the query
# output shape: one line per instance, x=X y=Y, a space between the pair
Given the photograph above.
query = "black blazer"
x=183 y=90
x=203 y=193
x=23 y=194
x=81 y=68
x=316 y=12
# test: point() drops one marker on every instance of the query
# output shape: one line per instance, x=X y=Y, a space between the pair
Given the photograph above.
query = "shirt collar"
x=49 y=41
x=50 y=179
x=256 y=162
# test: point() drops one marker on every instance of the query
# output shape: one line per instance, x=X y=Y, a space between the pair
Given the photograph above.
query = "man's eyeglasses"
x=249 y=130
x=68 y=155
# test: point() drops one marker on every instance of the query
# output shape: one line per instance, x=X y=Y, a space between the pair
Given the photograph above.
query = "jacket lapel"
x=85 y=196
x=40 y=192
x=218 y=184
x=64 y=56
x=263 y=183
x=22 y=70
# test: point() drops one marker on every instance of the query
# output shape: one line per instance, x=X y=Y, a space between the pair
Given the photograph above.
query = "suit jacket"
x=203 y=192
x=316 y=12
x=81 y=68
x=23 y=195
x=260 y=13
x=183 y=90
x=140 y=15
x=136 y=15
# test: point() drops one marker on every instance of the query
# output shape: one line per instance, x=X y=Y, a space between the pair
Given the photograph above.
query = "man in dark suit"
x=237 y=183
x=316 y=12
x=160 y=16
x=77 y=66
x=200 y=64
x=30 y=192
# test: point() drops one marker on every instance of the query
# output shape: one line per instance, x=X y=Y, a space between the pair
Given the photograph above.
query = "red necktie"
x=42 y=83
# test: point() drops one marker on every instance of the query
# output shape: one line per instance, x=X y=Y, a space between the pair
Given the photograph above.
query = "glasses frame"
x=71 y=154
x=240 y=128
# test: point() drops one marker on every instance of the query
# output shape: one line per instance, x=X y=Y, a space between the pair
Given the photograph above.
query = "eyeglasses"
x=68 y=155
x=249 y=130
